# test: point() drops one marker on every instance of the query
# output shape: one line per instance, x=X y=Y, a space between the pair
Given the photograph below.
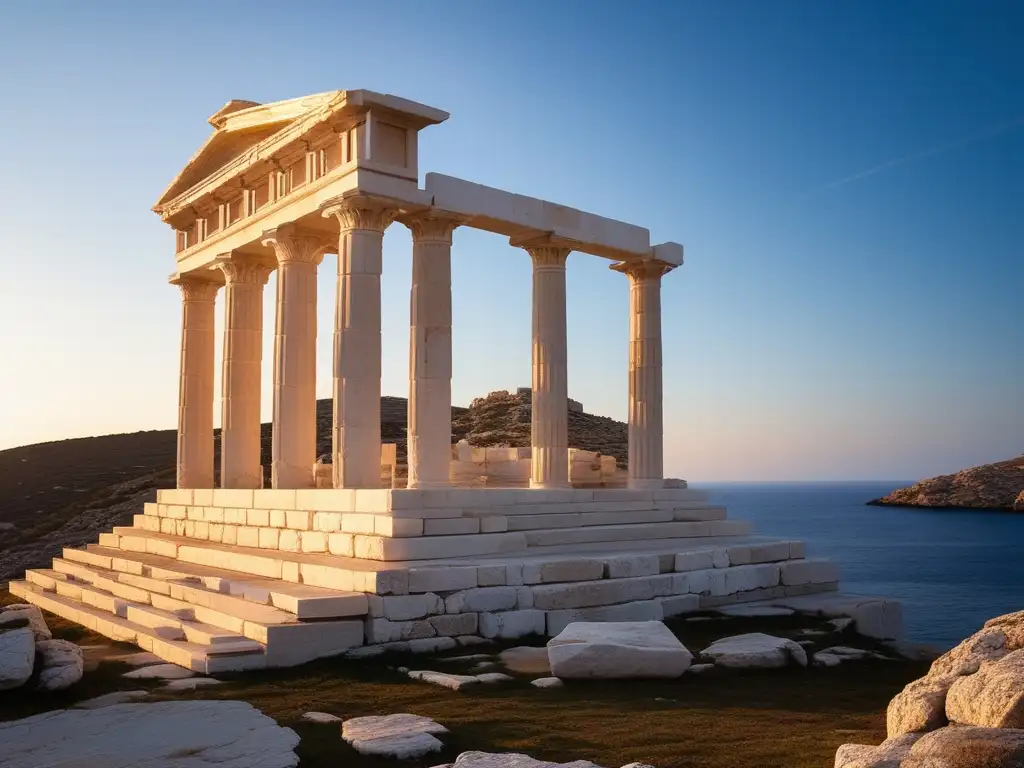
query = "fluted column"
x=646 y=419
x=357 y=348
x=430 y=350
x=240 y=379
x=549 y=464
x=195 y=390
x=294 y=429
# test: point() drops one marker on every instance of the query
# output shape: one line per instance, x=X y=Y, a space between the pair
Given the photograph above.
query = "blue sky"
x=847 y=178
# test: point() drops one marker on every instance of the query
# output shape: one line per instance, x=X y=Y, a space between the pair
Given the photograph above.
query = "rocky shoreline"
x=997 y=486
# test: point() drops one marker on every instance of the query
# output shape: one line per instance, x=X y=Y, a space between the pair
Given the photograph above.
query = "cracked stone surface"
x=401 y=736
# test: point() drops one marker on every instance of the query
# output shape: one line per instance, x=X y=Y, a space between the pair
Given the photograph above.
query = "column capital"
x=196 y=288
x=432 y=226
x=643 y=269
x=294 y=243
x=358 y=212
x=543 y=249
x=245 y=271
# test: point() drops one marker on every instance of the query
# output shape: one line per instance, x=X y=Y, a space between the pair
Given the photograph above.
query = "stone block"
x=759 y=553
x=407 y=607
x=341 y=544
x=274 y=498
x=677 y=605
x=707 y=582
x=278 y=518
x=326 y=499
x=328 y=522
x=797 y=550
x=744 y=578
x=798 y=572
x=481 y=599
x=213 y=514
x=237 y=498
x=445 y=579
x=358 y=522
x=181 y=496
x=230 y=535
x=437 y=547
x=299 y=519
x=524 y=597
x=268 y=538
x=512 y=624
x=299 y=643
x=257 y=517
x=491 y=575
x=288 y=540
x=493 y=524
x=606 y=592
x=235 y=516
x=630 y=566
x=177 y=512
x=385 y=525
x=557 y=571
x=630 y=649
x=313 y=541
x=202 y=497
x=640 y=610
x=453 y=526
x=455 y=625
x=385 y=631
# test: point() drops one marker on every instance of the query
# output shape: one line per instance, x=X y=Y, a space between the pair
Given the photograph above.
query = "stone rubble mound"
x=25 y=640
x=967 y=712
x=190 y=734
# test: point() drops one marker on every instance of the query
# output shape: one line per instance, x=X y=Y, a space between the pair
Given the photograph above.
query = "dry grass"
x=788 y=718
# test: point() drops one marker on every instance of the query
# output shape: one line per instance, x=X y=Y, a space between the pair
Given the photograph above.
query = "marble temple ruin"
x=222 y=573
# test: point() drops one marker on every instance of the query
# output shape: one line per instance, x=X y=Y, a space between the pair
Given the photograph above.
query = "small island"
x=989 y=486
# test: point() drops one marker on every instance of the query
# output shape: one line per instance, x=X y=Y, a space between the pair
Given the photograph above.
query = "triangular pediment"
x=238 y=126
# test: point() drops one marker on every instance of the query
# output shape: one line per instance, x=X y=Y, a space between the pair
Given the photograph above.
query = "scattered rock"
x=699 y=669
x=547 y=682
x=470 y=640
x=494 y=677
x=888 y=754
x=993 y=697
x=199 y=734
x=109 y=699
x=920 y=706
x=822 y=659
x=812 y=633
x=63 y=664
x=445 y=680
x=365 y=652
x=841 y=624
x=13 y=613
x=968 y=747
x=755 y=611
x=511 y=760
x=483 y=666
x=401 y=736
x=755 y=650
x=833 y=657
x=612 y=650
x=160 y=672
x=190 y=684
x=321 y=717
x=17 y=657
x=526 y=660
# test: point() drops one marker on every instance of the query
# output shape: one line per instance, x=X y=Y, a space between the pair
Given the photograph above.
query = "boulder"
x=965 y=659
x=920 y=706
x=993 y=697
x=968 y=747
x=888 y=754
x=526 y=660
x=641 y=649
x=10 y=614
x=197 y=734
x=17 y=657
x=401 y=736
x=63 y=664
x=755 y=650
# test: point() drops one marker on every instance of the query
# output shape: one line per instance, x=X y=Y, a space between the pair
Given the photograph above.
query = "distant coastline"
x=998 y=486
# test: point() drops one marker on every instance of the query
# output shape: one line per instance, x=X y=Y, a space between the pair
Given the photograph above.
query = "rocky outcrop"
x=967 y=712
x=990 y=486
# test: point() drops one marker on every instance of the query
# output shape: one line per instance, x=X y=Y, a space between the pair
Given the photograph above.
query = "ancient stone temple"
x=224 y=573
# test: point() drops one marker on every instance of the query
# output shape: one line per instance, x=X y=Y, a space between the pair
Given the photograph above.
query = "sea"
x=951 y=569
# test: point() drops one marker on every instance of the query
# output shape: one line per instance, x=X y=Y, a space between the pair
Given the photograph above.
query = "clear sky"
x=847 y=178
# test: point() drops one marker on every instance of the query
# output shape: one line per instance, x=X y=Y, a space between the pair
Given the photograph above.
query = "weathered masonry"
x=223 y=573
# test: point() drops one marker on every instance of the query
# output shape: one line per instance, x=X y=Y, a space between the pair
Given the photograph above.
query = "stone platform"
x=220 y=580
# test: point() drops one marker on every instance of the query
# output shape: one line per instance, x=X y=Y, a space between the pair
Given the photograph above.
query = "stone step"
x=222 y=590
x=641 y=531
x=194 y=656
x=588 y=519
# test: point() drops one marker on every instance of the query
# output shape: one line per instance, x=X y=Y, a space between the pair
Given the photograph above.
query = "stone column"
x=240 y=379
x=294 y=430
x=549 y=467
x=430 y=350
x=356 y=428
x=646 y=420
x=195 y=390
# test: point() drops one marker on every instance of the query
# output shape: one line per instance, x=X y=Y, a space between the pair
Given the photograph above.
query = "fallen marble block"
x=511 y=760
x=615 y=650
x=755 y=650
x=63 y=664
x=159 y=672
x=547 y=682
x=494 y=677
x=197 y=734
x=17 y=657
x=321 y=717
x=18 y=612
x=401 y=736
x=444 y=679
x=526 y=660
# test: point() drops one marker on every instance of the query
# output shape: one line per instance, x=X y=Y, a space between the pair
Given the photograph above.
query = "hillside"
x=990 y=486
x=65 y=493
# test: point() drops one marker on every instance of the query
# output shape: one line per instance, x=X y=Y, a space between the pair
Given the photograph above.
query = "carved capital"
x=548 y=256
x=292 y=243
x=431 y=227
x=361 y=213
x=196 y=289
x=245 y=272
x=643 y=270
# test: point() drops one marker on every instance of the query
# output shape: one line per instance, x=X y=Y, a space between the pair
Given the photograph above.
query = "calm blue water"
x=952 y=570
